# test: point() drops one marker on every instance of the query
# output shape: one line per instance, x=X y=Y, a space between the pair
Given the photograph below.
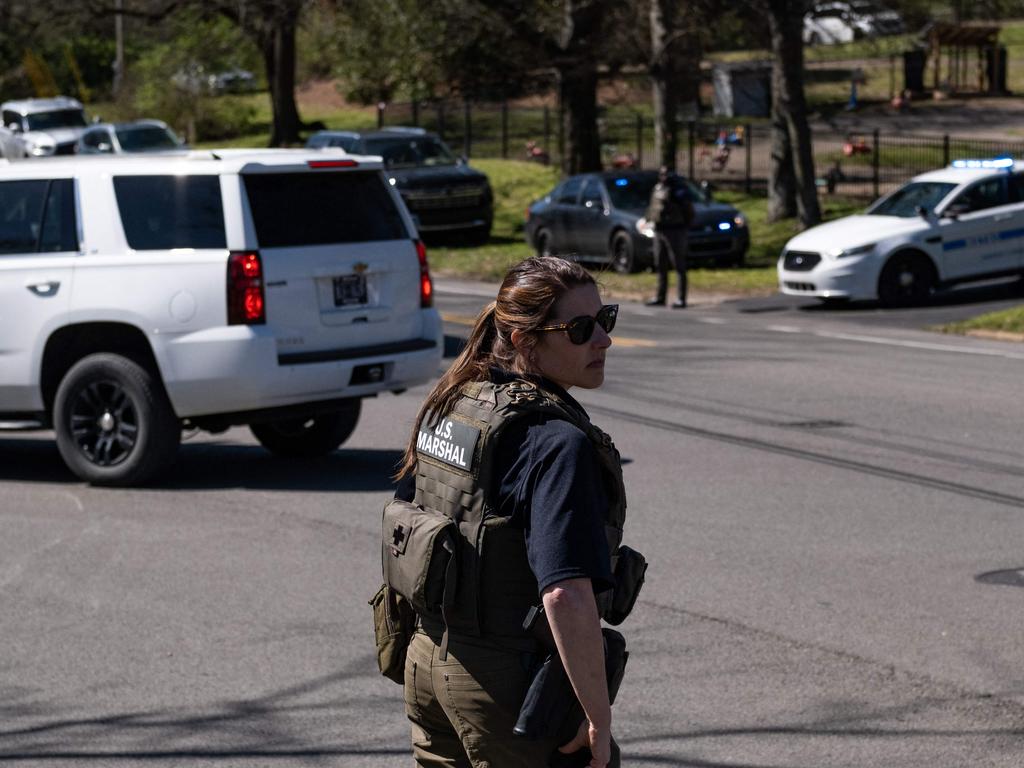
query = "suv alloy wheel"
x=114 y=423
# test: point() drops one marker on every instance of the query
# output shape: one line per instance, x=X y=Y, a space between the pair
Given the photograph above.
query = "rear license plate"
x=349 y=289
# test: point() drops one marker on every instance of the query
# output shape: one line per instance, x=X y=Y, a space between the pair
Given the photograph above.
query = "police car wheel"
x=906 y=279
x=113 y=422
x=314 y=436
x=621 y=249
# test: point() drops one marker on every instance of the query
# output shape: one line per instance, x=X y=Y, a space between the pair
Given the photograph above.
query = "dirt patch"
x=985 y=117
x=323 y=96
x=995 y=335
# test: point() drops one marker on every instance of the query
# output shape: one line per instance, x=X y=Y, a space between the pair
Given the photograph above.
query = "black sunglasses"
x=580 y=329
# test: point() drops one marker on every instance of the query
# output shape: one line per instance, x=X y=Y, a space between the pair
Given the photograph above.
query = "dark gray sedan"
x=594 y=217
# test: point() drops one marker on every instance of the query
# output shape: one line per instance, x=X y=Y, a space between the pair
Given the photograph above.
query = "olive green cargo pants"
x=462 y=710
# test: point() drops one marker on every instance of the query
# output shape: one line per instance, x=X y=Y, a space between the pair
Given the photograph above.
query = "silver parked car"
x=128 y=138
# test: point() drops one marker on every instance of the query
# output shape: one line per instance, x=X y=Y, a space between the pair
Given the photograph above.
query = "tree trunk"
x=663 y=81
x=786 y=21
x=781 y=179
x=577 y=83
x=278 y=48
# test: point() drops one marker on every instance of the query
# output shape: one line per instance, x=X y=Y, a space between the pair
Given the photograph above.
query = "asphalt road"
x=817 y=493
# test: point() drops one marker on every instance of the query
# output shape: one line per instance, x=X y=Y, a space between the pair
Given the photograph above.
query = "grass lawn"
x=517 y=183
x=1006 y=321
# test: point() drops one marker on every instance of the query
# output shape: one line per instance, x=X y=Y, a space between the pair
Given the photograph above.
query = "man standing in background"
x=670 y=213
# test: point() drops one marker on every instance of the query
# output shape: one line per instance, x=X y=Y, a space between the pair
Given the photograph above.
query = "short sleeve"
x=555 y=487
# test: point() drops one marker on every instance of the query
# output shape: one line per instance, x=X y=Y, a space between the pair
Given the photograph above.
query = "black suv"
x=441 y=191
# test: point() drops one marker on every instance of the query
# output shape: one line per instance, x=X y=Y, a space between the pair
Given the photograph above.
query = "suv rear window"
x=163 y=212
x=317 y=208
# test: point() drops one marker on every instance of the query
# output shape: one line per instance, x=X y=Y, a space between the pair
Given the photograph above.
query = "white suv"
x=273 y=288
x=41 y=127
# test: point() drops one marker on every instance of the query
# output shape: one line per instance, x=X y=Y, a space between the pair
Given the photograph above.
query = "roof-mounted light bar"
x=332 y=164
x=998 y=163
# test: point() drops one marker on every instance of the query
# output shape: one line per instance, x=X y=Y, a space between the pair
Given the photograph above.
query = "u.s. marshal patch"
x=449 y=441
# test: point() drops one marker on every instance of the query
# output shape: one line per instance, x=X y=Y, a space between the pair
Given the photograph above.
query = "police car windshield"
x=410 y=151
x=906 y=201
x=61 y=118
x=633 y=193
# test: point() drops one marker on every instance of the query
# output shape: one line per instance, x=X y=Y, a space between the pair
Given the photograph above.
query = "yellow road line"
x=469 y=320
x=619 y=341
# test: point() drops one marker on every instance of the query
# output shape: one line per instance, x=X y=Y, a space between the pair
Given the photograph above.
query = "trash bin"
x=996 y=69
x=913 y=70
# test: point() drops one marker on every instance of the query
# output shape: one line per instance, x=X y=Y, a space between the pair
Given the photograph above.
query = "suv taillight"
x=245 y=289
x=426 y=286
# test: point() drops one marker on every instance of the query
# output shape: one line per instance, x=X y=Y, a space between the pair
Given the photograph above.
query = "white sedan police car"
x=958 y=224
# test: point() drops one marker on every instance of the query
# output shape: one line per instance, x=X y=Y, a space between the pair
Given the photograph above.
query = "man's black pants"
x=670 y=250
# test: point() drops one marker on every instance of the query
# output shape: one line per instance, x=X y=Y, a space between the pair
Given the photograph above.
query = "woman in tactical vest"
x=535 y=493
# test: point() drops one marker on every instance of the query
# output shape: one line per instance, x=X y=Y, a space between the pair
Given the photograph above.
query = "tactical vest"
x=455 y=476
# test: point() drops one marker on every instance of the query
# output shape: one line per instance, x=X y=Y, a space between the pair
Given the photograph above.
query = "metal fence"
x=726 y=153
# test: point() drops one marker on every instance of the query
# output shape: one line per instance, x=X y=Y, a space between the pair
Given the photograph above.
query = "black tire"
x=542 y=243
x=620 y=251
x=907 y=279
x=481 y=235
x=306 y=438
x=114 y=423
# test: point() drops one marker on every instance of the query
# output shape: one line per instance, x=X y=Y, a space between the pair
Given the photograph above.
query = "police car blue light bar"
x=990 y=163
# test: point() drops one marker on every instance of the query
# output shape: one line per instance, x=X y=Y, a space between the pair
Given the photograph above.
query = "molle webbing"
x=455 y=475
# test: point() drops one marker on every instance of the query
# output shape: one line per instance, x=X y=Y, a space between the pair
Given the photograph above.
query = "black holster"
x=551 y=708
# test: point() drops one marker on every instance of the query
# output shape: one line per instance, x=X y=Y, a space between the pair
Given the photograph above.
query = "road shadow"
x=955 y=297
x=218 y=466
x=281 y=727
x=453 y=346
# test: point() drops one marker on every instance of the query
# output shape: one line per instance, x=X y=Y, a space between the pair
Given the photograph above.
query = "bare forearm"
x=576 y=628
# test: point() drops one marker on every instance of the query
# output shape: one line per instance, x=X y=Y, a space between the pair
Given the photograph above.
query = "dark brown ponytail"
x=527 y=294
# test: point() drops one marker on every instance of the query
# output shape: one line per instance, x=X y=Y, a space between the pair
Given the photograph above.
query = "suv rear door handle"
x=45 y=289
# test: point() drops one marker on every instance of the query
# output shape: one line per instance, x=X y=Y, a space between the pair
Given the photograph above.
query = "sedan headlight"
x=860 y=250
x=644 y=227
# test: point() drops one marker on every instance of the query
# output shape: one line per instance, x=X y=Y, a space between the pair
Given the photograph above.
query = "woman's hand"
x=598 y=740
x=576 y=629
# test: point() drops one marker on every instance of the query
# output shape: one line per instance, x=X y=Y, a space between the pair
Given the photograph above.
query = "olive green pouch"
x=394 y=622
x=419 y=561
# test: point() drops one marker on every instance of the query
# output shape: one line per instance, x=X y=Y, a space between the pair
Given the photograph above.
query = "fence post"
x=639 y=140
x=691 y=133
x=748 y=139
x=874 y=162
x=415 y=112
x=945 y=149
x=504 y=130
x=380 y=114
x=467 y=129
x=546 y=146
x=561 y=140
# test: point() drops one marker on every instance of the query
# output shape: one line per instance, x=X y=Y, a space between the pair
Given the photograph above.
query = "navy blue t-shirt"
x=548 y=480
